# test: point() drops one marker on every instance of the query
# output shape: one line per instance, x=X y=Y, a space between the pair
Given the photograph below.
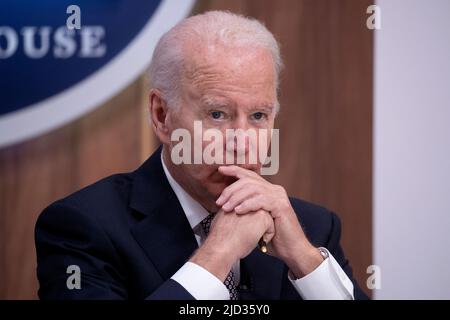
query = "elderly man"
x=181 y=230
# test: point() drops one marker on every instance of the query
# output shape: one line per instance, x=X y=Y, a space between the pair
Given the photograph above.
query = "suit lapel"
x=164 y=232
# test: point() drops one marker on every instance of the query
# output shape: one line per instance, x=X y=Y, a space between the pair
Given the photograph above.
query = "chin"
x=215 y=189
x=216 y=183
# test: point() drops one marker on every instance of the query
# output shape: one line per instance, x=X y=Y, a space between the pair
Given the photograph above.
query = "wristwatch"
x=323 y=252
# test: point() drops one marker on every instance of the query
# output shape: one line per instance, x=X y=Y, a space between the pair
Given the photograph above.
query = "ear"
x=158 y=113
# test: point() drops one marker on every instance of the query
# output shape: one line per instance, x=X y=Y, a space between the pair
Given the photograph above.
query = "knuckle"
x=246 y=180
x=232 y=200
x=281 y=189
x=260 y=211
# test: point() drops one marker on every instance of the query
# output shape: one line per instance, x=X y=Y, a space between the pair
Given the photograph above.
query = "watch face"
x=323 y=252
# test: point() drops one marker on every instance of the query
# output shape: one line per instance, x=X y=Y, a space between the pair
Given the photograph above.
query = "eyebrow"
x=270 y=107
x=214 y=103
x=224 y=104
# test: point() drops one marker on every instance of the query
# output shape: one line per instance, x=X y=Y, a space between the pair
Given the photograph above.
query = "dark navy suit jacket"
x=129 y=235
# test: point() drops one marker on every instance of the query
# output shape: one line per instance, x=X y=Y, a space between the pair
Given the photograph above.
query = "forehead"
x=227 y=74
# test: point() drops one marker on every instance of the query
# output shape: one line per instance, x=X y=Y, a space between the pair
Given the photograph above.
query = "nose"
x=240 y=139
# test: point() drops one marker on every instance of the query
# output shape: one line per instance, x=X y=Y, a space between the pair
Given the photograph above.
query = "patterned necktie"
x=230 y=281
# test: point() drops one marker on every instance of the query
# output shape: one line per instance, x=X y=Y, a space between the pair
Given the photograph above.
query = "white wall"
x=412 y=149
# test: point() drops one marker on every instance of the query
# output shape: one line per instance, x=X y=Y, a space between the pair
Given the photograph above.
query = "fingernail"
x=219 y=200
x=238 y=208
x=226 y=207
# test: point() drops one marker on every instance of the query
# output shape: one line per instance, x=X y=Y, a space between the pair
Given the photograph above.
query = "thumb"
x=270 y=232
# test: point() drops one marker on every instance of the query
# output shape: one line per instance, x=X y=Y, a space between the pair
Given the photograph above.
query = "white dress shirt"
x=327 y=281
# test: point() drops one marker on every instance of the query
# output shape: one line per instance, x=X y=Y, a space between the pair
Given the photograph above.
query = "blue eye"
x=216 y=114
x=258 y=115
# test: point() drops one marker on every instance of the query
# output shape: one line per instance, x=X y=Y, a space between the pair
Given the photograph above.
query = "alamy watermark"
x=235 y=146
x=374 y=280
x=74 y=280
x=374 y=20
x=74 y=20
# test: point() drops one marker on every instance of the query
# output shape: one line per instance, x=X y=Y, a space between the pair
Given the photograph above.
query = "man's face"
x=224 y=88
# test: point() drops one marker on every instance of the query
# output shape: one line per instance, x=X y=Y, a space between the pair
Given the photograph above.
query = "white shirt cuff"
x=200 y=283
x=327 y=282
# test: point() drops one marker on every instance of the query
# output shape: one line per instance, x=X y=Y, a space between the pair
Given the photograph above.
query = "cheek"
x=182 y=118
x=202 y=175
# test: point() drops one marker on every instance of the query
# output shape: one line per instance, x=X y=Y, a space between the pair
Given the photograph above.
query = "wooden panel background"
x=325 y=125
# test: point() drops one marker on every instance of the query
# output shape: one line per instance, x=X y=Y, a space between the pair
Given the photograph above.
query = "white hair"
x=209 y=29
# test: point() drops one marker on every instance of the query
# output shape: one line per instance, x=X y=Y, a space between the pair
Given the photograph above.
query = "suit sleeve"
x=171 y=290
x=333 y=245
x=66 y=237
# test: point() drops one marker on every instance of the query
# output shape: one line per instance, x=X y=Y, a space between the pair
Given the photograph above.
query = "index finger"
x=236 y=171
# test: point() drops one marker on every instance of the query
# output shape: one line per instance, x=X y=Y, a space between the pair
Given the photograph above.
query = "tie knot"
x=206 y=223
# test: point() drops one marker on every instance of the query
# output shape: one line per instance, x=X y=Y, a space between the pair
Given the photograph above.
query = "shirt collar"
x=193 y=210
